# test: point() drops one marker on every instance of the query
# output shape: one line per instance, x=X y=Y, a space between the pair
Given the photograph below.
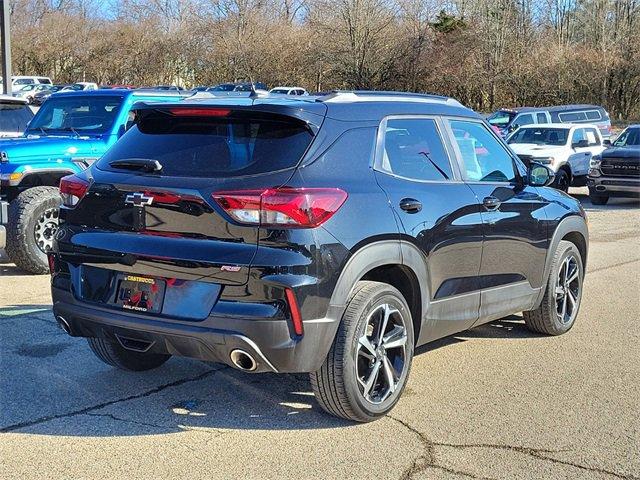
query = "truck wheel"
x=562 y=180
x=559 y=308
x=116 y=355
x=33 y=221
x=367 y=366
x=597 y=199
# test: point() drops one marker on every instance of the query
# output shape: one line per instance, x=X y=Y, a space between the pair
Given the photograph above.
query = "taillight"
x=282 y=207
x=72 y=190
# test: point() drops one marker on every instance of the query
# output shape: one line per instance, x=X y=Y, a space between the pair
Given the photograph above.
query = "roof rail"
x=349 y=96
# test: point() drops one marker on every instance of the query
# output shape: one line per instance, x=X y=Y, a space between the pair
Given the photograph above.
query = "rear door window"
x=236 y=144
x=541 y=117
x=14 y=117
x=592 y=137
x=414 y=150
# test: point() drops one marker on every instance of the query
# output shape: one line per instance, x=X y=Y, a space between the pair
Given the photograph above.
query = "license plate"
x=140 y=294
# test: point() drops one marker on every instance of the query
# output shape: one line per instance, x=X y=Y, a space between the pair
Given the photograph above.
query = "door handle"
x=410 y=205
x=491 y=203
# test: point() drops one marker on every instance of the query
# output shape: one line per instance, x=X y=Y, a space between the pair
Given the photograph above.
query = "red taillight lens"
x=72 y=190
x=296 y=318
x=282 y=207
x=199 y=112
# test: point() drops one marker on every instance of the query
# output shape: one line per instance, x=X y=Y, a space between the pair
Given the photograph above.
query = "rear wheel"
x=559 y=308
x=367 y=367
x=33 y=222
x=596 y=198
x=114 y=354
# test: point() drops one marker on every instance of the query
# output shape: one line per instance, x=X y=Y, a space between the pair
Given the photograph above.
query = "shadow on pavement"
x=613 y=204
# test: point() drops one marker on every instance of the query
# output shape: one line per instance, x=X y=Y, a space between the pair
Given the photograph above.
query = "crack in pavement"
x=428 y=459
x=125 y=420
x=86 y=410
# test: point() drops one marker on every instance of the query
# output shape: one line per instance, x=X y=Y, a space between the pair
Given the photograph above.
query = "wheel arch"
x=397 y=263
x=574 y=229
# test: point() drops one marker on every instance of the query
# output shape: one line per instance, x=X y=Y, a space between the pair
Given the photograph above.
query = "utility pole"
x=5 y=39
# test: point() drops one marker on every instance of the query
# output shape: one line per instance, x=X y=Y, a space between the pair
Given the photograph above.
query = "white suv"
x=565 y=148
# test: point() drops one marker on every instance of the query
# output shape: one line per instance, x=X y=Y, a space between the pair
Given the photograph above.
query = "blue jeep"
x=70 y=132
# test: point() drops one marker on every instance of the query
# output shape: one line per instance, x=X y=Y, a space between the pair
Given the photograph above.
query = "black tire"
x=546 y=318
x=562 y=180
x=336 y=385
x=24 y=214
x=596 y=198
x=114 y=354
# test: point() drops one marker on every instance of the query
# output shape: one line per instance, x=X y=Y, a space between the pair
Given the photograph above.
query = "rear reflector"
x=200 y=112
x=296 y=318
x=72 y=190
x=282 y=207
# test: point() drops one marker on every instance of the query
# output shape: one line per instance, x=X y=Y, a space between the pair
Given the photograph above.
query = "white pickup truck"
x=565 y=148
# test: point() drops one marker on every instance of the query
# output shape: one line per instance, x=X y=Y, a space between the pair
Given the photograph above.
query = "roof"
x=344 y=106
x=561 y=125
x=553 y=108
x=119 y=92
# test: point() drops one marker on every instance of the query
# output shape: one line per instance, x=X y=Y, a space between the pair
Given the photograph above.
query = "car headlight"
x=595 y=161
x=543 y=160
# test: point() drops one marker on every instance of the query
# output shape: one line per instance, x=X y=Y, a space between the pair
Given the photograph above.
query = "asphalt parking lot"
x=494 y=402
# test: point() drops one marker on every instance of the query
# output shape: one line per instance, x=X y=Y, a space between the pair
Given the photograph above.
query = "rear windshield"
x=540 y=136
x=14 y=118
x=235 y=145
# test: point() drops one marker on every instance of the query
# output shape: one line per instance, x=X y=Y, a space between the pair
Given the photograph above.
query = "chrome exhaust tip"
x=243 y=360
x=64 y=325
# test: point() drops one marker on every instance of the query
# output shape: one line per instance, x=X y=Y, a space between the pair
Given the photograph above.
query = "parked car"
x=39 y=97
x=508 y=120
x=80 y=86
x=565 y=148
x=19 y=81
x=15 y=114
x=239 y=87
x=288 y=91
x=69 y=132
x=616 y=172
x=173 y=88
x=357 y=227
x=29 y=91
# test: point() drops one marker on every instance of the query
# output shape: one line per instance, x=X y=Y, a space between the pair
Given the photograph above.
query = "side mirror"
x=540 y=175
x=580 y=144
x=606 y=142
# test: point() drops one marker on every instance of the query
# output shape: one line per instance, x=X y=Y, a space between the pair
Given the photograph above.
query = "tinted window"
x=213 y=146
x=80 y=115
x=540 y=136
x=484 y=158
x=413 y=149
x=14 y=118
x=572 y=116
x=628 y=137
x=526 y=119
x=593 y=115
x=541 y=118
x=23 y=81
x=44 y=80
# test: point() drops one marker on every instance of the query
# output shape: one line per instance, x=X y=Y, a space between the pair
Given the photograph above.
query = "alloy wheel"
x=45 y=229
x=567 y=291
x=381 y=356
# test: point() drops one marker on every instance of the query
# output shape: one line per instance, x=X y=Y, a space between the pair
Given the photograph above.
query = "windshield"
x=628 y=137
x=540 y=136
x=500 y=118
x=78 y=115
x=225 y=87
x=14 y=117
x=235 y=145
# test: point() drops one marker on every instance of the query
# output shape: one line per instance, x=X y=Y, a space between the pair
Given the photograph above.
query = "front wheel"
x=562 y=180
x=559 y=308
x=596 y=198
x=367 y=366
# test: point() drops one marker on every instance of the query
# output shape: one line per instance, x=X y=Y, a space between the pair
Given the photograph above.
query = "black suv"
x=329 y=235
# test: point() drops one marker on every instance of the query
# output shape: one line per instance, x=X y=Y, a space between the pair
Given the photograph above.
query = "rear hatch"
x=139 y=218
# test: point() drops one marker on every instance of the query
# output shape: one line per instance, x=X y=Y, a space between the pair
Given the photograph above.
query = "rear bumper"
x=615 y=186
x=268 y=341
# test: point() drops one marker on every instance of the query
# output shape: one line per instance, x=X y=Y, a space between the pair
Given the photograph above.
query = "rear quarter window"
x=572 y=116
x=237 y=145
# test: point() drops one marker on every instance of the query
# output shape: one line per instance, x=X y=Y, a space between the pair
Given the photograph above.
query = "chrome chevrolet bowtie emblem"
x=138 y=199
